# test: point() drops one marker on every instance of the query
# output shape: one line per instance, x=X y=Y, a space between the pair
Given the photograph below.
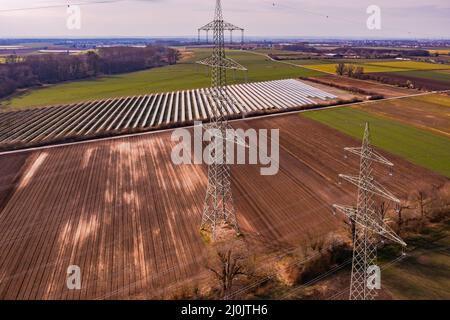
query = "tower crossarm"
x=225 y=63
x=347 y=210
x=372 y=224
x=381 y=228
x=226 y=26
x=383 y=192
x=372 y=155
x=370 y=186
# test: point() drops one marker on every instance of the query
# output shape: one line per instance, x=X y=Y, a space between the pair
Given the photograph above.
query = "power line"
x=63 y=5
x=328 y=16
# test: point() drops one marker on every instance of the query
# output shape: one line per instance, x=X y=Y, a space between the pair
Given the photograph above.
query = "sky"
x=270 y=18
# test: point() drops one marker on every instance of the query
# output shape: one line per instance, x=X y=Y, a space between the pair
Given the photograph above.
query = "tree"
x=93 y=63
x=340 y=69
x=30 y=70
x=350 y=70
x=400 y=220
x=359 y=72
x=422 y=202
x=228 y=269
x=173 y=56
x=352 y=227
x=381 y=210
x=12 y=58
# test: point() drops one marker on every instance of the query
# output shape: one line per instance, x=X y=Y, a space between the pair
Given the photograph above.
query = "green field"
x=425 y=271
x=387 y=66
x=419 y=146
x=335 y=61
x=429 y=112
x=184 y=75
x=309 y=62
x=438 y=75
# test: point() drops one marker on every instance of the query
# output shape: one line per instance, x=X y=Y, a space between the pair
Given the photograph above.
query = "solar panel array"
x=128 y=114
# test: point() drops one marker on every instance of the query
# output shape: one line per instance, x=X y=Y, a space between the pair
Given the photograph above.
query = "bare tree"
x=352 y=227
x=228 y=269
x=350 y=70
x=422 y=202
x=26 y=71
x=340 y=69
x=381 y=210
x=359 y=72
x=400 y=219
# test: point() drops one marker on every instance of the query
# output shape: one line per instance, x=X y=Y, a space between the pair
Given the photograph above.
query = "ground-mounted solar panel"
x=122 y=114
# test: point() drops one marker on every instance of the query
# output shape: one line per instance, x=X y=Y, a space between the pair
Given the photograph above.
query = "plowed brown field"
x=129 y=218
x=387 y=91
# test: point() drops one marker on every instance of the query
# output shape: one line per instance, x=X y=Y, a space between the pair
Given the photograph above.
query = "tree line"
x=350 y=70
x=20 y=72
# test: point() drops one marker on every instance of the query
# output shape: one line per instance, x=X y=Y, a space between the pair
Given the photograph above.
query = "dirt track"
x=129 y=218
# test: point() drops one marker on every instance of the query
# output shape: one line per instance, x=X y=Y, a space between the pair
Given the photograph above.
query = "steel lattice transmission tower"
x=219 y=205
x=369 y=224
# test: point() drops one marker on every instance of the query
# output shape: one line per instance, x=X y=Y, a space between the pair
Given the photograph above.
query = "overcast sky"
x=333 y=18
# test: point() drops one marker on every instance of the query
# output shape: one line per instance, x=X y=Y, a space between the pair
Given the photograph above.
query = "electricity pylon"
x=369 y=224
x=219 y=205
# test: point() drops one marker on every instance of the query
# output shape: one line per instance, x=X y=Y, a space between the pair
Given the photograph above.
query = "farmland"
x=184 y=75
x=94 y=205
x=440 y=51
x=423 y=274
x=442 y=75
x=350 y=84
x=429 y=112
x=422 y=75
x=315 y=62
x=420 y=146
x=390 y=66
x=429 y=80
x=137 y=113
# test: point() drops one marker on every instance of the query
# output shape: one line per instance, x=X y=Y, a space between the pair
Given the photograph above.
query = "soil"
x=130 y=219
